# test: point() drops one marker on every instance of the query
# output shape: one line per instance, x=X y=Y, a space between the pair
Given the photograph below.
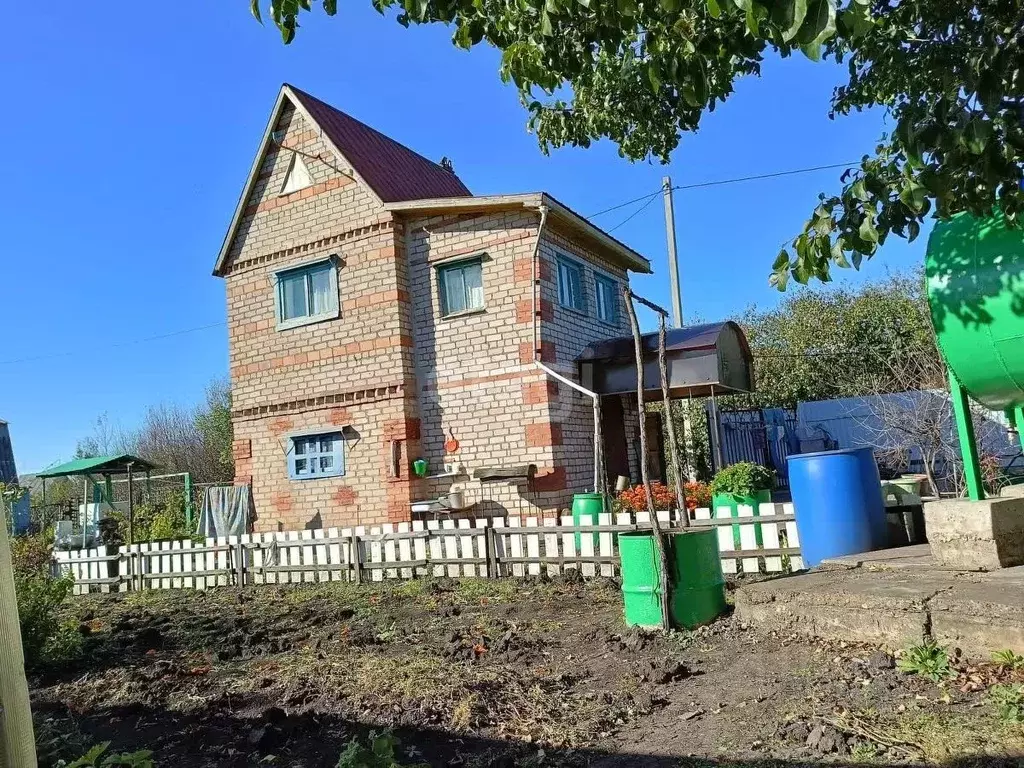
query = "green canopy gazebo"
x=105 y=467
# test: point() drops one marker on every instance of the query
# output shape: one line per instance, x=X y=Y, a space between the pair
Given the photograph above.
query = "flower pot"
x=734 y=502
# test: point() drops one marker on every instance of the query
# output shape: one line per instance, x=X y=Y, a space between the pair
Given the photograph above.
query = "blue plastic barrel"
x=837 y=498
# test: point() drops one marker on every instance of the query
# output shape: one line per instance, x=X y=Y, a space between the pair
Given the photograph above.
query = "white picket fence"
x=486 y=548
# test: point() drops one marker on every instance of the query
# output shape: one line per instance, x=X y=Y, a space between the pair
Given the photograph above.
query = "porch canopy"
x=99 y=465
x=702 y=360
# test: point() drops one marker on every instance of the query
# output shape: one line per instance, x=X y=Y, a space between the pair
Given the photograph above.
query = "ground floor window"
x=320 y=455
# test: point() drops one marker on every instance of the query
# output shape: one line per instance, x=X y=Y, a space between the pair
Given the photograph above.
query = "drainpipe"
x=599 y=481
x=535 y=283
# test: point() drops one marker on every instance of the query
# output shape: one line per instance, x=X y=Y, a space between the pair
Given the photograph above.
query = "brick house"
x=378 y=312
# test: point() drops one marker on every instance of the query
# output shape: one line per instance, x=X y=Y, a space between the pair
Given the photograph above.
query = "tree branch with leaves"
x=949 y=75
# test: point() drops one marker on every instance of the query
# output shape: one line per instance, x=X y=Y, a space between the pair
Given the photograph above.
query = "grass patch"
x=942 y=736
x=929 y=659
x=1008 y=660
x=1009 y=702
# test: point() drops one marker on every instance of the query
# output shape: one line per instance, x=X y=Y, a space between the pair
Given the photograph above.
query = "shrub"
x=31 y=554
x=743 y=479
x=928 y=660
x=44 y=637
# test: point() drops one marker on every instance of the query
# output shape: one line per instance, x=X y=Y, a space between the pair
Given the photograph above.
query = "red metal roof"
x=392 y=170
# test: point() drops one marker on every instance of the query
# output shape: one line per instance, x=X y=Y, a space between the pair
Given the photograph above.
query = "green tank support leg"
x=965 y=433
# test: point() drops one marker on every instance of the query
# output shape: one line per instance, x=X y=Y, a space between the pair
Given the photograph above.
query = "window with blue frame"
x=312 y=456
x=462 y=286
x=606 y=299
x=307 y=294
x=570 y=285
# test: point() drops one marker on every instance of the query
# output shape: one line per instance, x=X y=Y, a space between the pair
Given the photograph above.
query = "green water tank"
x=975 y=271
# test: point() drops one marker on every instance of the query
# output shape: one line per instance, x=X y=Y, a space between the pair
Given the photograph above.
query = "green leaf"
x=670 y=6
x=254 y=8
x=819 y=25
x=914 y=196
x=331 y=7
x=788 y=16
x=782 y=260
x=462 y=37
x=860 y=191
x=867 y=230
x=652 y=76
x=545 y=24
x=714 y=8
x=838 y=255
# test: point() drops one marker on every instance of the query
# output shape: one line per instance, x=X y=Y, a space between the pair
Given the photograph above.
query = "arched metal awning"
x=702 y=360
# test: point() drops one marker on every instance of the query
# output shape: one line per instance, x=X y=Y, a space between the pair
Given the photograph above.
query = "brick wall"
x=476 y=376
x=359 y=365
x=570 y=331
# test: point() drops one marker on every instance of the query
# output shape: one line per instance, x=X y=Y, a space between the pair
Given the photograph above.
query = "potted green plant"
x=742 y=484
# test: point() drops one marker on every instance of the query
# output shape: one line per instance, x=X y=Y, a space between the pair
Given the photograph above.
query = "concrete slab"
x=894 y=606
x=913 y=556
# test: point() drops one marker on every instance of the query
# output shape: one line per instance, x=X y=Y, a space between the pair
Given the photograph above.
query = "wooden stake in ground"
x=659 y=542
x=17 y=740
x=677 y=471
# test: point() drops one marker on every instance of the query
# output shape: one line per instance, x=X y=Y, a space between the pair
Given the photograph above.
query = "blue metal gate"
x=765 y=437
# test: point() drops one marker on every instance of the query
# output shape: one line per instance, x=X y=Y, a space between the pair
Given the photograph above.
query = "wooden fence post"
x=17 y=739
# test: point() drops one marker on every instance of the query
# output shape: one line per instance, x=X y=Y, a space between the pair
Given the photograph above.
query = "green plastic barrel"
x=695 y=579
x=698 y=586
x=974 y=269
x=641 y=591
x=734 y=502
x=591 y=504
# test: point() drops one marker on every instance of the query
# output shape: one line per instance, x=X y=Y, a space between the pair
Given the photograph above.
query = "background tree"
x=819 y=345
x=949 y=75
x=175 y=438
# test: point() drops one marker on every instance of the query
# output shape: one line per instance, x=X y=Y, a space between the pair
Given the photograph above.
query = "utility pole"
x=677 y=312
x=673 y=261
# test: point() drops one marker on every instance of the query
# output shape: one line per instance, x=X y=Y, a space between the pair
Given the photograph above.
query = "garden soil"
x=488 y=673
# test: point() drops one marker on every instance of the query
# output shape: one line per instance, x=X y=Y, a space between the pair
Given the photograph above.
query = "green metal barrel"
x=975 y=271
x=698 y=586
x=695 y=578
x=641 y=590
x=590 y=504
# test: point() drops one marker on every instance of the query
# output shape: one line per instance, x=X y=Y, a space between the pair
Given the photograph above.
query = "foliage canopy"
x=642 y=72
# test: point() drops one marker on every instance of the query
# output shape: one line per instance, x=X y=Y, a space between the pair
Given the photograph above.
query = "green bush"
x=743 y=479
x=162 y=519
x=44 y=637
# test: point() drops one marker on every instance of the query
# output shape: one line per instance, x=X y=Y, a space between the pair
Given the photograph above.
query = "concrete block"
x=980 y=617
x=841 y=605
x=976 y=535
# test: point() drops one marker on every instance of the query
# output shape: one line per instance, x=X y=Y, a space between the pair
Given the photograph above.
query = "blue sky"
x=129 y=135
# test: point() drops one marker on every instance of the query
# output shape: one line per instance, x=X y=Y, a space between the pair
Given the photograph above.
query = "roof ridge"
x=367 y=126
x=391 y=169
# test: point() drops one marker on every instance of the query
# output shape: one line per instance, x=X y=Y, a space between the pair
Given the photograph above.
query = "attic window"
x=297 y=177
